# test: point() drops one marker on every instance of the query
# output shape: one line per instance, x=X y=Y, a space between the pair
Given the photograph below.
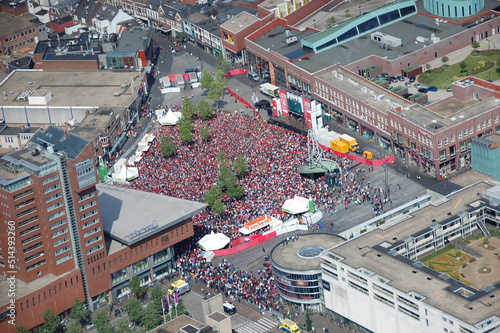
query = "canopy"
x=170 y=118
x=212 y=242
x=297 y=205
x=126 y=174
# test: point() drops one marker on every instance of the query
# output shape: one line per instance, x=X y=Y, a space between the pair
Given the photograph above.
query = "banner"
x=307 y=112
x=176 y=298
x=284 y=103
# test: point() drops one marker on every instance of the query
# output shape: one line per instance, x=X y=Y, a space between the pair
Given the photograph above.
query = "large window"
x=85 y=172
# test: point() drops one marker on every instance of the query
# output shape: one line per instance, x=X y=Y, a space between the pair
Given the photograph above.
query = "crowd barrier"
x=241 y=244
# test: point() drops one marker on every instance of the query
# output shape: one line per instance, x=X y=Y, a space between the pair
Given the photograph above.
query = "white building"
x=376 y=281
x=108 y=19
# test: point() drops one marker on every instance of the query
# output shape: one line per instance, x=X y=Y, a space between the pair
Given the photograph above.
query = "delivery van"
x=253 y=76
x=179 y=286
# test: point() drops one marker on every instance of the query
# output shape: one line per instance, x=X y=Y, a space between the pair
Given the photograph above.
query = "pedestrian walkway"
x=262 y=325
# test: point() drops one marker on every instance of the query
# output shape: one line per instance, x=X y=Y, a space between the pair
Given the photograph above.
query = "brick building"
x=73 y=237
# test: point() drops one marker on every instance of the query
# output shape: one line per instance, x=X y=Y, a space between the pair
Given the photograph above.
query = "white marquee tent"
x=125 y=174
x=213 y=241
x=169 y=118
x=296 y=205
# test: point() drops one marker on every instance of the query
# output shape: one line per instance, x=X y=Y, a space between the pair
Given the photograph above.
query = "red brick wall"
x=70 y=65
x=306 y=10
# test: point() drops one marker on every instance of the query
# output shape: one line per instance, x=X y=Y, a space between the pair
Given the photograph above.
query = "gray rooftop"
x=10 y=24
x=365 y=252
x=86 y=88
x=239 y=22
x=125 y=211
x=56 y=138
x=136 y=39
x=287 y=255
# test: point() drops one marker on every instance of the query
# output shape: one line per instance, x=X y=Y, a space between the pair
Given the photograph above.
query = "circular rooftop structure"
x=296 y=265
x=454 y=8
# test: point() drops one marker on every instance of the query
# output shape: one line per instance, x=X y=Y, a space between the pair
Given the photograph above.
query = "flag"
x=176 y=298
x=169 y=302
x=163 y=305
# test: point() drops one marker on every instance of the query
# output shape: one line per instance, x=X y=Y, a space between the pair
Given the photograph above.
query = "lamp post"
x=314 y=22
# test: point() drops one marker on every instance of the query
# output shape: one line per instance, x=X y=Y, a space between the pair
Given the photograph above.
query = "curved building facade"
x=296 y=268
x=454 y=8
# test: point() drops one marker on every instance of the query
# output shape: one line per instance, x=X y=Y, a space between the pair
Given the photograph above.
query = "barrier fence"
x=241 y=244
x=360 y=159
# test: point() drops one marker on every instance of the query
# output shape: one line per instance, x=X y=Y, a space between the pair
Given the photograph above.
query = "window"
x=60 y=232
x=93 y=240
x=56 y=215
x=89 y=223
x=86 y=196
x=50 y=179
x=54 y=206
x=57 y=224
x=63 y=259
x=94 y=249
x=442 y=154
x=87 y=205
x=53 y=197
x=88 y=214
x=61 y=241
x=453 y=138
x=440 y=143
x=27 y=231
x=51 y=188
x=62 y=250
x=446 y=140
x=85 y=173
x=91 y=232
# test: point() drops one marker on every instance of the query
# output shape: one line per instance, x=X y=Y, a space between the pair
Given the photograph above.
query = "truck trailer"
x=269 y=89
x=351 y=142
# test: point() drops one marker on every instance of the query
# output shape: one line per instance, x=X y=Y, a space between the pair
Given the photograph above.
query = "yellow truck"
x=179 y=286
x=289 y=326
x=339 y=146
x=351 y=142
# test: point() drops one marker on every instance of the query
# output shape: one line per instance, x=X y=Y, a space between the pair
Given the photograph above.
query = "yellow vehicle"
x=339 y=146
x=351 y=142
x=289 y=326
x=180 y=286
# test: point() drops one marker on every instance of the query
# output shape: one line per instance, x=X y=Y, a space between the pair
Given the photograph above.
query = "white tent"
x=170 y=118
x=212 y=242
x=296 y=205
x=125 y=174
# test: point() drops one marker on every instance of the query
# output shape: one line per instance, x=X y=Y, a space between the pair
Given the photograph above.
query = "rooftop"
x=130 y=216
x=289 y=257
x=370 y=252
x=10 y=24
x=23 y=288
x=72 y=88
x=136 y=39
x=239 y=22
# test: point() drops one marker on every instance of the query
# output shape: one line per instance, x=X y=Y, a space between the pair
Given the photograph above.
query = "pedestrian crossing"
x=263 y=325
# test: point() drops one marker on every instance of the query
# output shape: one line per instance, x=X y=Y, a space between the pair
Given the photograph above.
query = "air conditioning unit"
x=380 y=97
x=364 y=89
x=340 y=77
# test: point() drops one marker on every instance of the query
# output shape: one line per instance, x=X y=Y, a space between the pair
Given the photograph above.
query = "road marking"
x=262 y=325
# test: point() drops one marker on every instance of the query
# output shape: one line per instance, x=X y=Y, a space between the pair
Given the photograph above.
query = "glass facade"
x=298 y=286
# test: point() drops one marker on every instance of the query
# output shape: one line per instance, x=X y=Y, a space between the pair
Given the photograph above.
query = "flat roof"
x=24 y=289
x=365 y=252
x=287 y=255
x=68 y=88
x=239 y=22
x=10 y=24
x=129 y=216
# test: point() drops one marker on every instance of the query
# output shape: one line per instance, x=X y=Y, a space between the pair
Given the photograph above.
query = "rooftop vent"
x=117 y=93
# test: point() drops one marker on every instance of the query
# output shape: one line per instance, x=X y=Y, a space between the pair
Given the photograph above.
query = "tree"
x=185 y=134
x=51 y=321
x=135 y=287
x=308 y=321
x=187 y=108
x=204 y=132
x=226 y=178
x=240 y=166
x=445 y=59
x=152 y=317
x=78 y=312
x=221 y=157
x=167 y=147
x=181 y=35
x=463 y=66
x=218 y=207
x=223 y=65
x=235 y=191
x=475 y=45
x=122 y=326
x=206 y=79
x=74 y=327
x=205 y=110
x=22 y=329
x=102 y=323
x=156 y=294
x=216 y=90
x=212 y=194
x=134 y=310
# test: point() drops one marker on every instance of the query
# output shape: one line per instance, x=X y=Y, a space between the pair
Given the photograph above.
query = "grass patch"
x=481 y=65
x=448 y=260
x=435 y=254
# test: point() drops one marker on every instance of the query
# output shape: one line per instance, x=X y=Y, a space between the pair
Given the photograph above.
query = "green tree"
x=205 y=110
x=308 y=321
x=475 y=45
x=213 y=194
x=102 y=323
x=235 y=191
x=22 y=329
x=223 y=65
x=74 y=327
x=156 y=294
x=216 y=90
x=463 y=66
x=204 y=132
x=227 y=178
x=445 y=59
x=51 y=321
x=152 y=317
x=206 y=79
x=187 y=108
x=167 y=147
x=240 y=166
x=135 y=287
x=78 y=311
x=134 y=310
x=181 y=35
x=221 y=157
x=122 y=326
x=185 y=134
x=218 y=207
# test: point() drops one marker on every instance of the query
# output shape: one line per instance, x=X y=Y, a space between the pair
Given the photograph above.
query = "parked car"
x=412 y=79
x=389 y=88
x=422 y=90
x=450 y=89
x=407 y=95
x=417 y=85
x=90 y=326
x=408 y=84
x=401 y=78
x=432 y=88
